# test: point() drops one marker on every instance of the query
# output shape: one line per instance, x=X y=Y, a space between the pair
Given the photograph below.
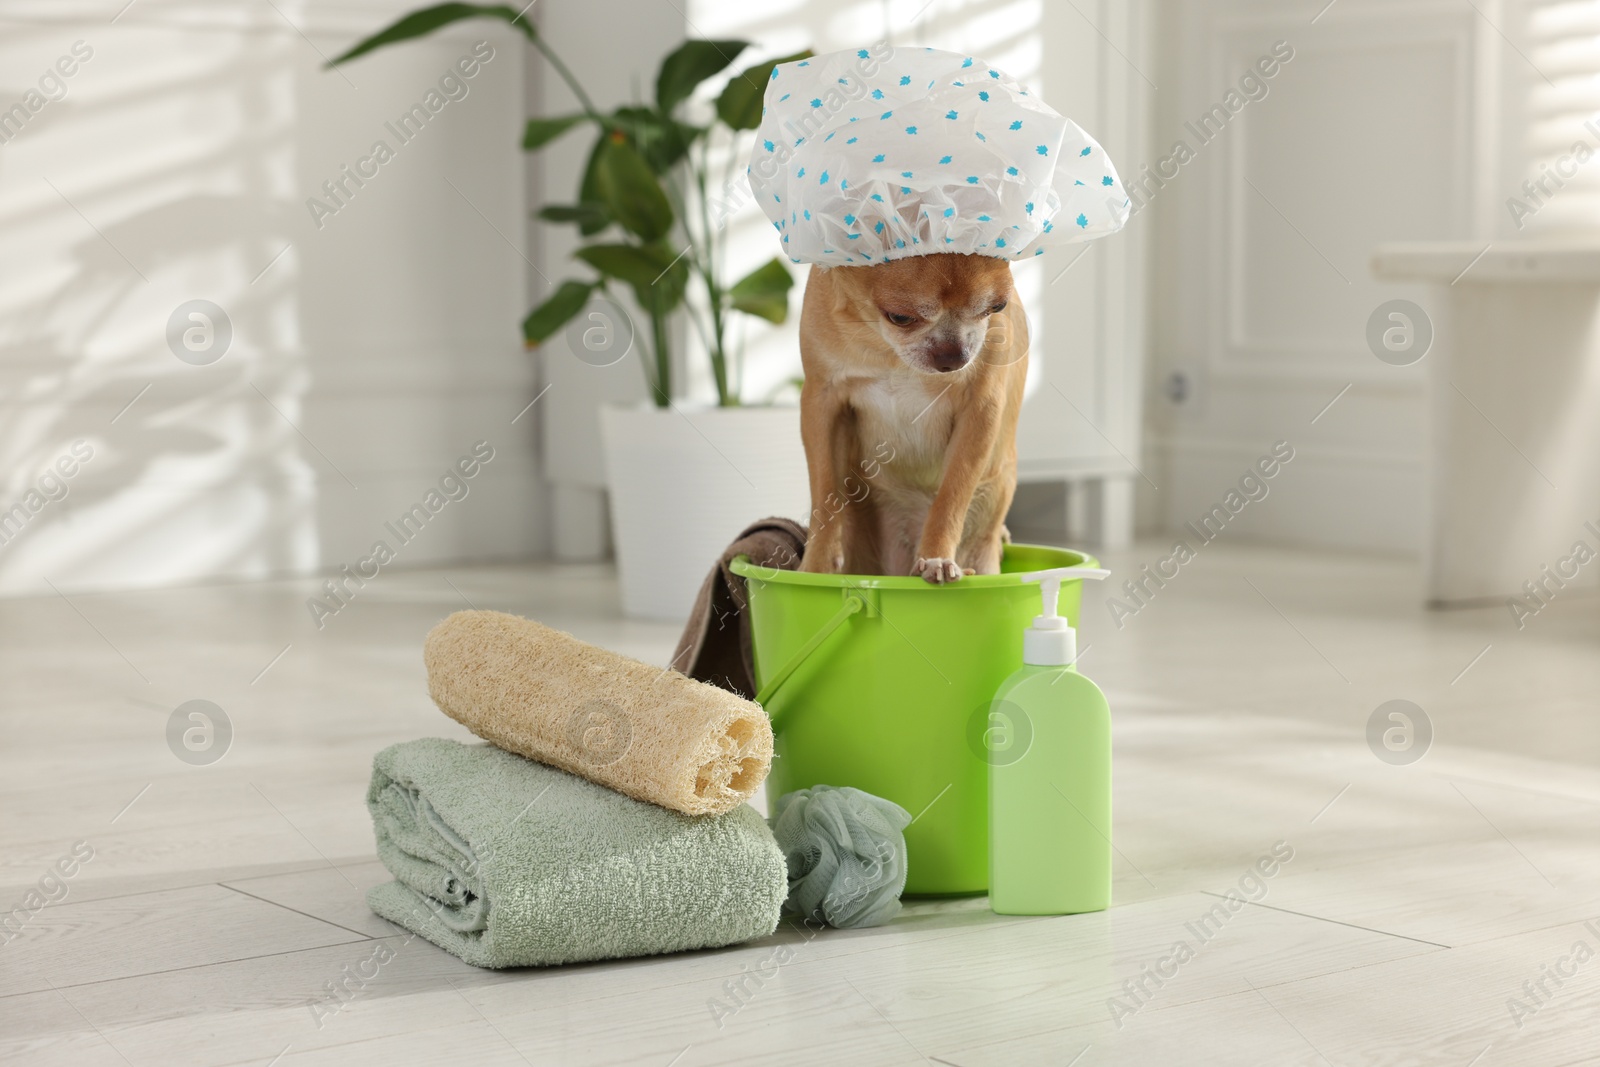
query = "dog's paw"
x=823 y=559
x=938 y=571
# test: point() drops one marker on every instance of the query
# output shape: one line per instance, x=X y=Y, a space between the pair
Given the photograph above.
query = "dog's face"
x=932 y=310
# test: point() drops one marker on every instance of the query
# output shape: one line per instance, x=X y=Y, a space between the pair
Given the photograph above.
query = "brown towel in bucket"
x=649 y=733
x=715 y=646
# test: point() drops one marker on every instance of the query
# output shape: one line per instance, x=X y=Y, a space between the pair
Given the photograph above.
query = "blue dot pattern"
x=932 y=164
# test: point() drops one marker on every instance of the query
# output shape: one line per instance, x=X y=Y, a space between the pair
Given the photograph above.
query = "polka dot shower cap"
x=870 y=155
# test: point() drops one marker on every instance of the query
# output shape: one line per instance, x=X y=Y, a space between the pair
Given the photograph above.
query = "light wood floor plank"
x=226 y=900
x=67 y=944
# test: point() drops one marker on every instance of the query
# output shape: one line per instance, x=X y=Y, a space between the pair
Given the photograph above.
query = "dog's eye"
x=999 y=307
x=899 y=320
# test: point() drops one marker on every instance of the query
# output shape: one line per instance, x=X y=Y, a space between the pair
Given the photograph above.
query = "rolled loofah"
x=654 y=735
x=846 y=853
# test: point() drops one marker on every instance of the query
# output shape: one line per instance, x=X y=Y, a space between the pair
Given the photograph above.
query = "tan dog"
x=913 y=382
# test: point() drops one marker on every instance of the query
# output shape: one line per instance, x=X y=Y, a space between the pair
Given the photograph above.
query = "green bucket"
x=884 y=684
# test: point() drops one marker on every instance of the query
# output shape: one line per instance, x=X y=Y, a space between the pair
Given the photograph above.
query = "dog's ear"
x=851 y=289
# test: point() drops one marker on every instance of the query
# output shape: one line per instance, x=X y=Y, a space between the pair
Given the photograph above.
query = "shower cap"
x=870 y=155
x=846 y=852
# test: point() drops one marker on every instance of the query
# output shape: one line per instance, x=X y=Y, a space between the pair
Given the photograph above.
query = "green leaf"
x=691 y=64
x=663 y=142
x=632 y=193
x=637 y=265
x=579 y=213
x=541 y=132
x=589 y=188
x=419 y=23
x=657 y=275
x=740 y=103
x=543 y=321
x=764 y=292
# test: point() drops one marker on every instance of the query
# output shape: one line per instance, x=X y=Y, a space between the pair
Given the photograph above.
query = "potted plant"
x=683 y=480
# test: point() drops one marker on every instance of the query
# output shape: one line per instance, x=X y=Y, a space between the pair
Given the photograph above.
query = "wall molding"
x=1305 y=378
x=1230 y=347
x=1318 y=453
x=1317 y=501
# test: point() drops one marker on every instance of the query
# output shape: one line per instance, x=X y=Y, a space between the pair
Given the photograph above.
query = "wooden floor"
x=223 y=901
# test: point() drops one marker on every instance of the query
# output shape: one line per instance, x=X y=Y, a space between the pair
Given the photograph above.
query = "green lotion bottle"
x=1050 y=799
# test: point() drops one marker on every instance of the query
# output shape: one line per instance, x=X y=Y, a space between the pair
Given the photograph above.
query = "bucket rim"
x=742 y=566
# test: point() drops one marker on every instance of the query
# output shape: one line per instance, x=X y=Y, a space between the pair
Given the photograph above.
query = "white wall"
x=1379 y=129
x=366 y=355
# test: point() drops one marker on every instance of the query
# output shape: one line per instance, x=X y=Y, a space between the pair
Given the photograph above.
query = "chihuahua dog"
x=913 y=382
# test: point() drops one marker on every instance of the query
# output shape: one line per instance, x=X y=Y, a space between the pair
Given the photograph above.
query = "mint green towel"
x=509 y=863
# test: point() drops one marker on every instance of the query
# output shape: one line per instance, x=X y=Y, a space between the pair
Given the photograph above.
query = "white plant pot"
x=684 y=482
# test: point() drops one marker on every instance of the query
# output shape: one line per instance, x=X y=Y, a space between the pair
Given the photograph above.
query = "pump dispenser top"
x=1051 y=641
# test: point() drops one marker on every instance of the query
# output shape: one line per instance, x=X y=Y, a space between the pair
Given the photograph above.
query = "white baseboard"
x=1323 y=498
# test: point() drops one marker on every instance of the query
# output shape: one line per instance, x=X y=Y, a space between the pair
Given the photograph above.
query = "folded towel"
x=650 y=733
x=508 y=863
x=715 y=646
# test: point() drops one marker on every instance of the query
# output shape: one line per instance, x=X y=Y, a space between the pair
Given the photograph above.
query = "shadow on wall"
x=127 y=198
x=337 y=370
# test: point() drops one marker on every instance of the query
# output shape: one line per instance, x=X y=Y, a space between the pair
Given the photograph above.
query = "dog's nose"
x=947 y=357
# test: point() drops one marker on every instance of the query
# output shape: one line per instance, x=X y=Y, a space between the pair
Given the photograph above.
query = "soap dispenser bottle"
x=1050 y=789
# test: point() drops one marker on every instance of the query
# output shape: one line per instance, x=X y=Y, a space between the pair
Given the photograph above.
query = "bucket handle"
x=853 y=604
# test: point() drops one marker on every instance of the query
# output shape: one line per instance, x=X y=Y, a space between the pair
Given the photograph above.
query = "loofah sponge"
x=654 y=735
x=846 y=854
